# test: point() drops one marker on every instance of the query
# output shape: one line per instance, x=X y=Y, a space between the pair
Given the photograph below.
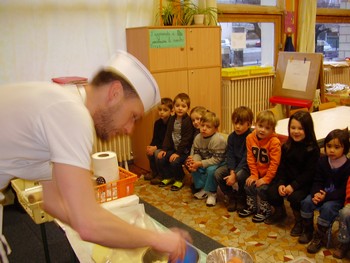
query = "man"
x=47 y=135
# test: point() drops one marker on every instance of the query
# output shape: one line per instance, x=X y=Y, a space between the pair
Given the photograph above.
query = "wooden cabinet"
x=181 y=59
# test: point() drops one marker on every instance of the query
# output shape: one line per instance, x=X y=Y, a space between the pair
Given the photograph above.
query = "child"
x=328 y=190
x=159 y=129
x=177 y=144
x=296 y=171
x=196 y=115
x=208 y=152
x=236 y=169
x=344 y=227
x=263 y=157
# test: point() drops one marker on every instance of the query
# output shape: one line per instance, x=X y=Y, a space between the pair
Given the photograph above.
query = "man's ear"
x=115 y=92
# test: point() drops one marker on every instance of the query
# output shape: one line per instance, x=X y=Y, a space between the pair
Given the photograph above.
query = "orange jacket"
x=263 y=156
x=347 y=197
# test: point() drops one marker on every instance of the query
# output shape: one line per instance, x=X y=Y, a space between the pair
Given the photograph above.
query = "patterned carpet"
x=264 y=242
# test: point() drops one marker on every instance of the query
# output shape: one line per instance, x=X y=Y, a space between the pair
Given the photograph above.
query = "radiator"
x=337 y=75
x=252 y=92
x=121 y=145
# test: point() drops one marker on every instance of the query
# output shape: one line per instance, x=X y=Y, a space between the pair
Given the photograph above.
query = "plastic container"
x=116 y=189
x=33 y=209
x=235 y=72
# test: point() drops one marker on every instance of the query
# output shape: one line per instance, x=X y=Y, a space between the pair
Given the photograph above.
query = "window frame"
x=235 y=13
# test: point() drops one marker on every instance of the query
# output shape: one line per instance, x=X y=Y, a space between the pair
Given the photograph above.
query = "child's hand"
x=230 y=179
x=173 y=157
x=250 y=181
x=260 y=182
x=150 y=150
x=161 y=154
x=195 y=165
x=289 y=190
x=282 y=190
x=319 y=197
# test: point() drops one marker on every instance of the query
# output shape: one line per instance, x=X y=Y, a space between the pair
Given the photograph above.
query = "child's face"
x=296 y=131
x=334 y=149
x=164 y=112
x=196 y=119
x=241 y=127
x=263 y=130
x=180 y=108
x=207 y=129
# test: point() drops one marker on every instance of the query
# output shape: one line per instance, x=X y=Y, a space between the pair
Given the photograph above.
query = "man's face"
x=118 y=119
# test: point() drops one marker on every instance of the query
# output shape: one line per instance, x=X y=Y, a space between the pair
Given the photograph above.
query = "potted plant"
x=193 y=14
x=170 y=14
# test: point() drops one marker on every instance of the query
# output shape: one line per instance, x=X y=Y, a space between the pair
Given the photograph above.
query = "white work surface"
x=84 y=250
x=324 y=121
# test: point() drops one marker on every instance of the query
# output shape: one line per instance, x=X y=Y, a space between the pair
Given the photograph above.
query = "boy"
x=159 y=129
x=236 y=169
x=263 y=157
x=207 y=153
x=177 y=144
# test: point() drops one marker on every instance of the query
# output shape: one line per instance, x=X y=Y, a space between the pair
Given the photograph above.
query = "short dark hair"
x=242 y=114
x=342 y=136
x=104 y=77
x=183 y=97
x=167 y=102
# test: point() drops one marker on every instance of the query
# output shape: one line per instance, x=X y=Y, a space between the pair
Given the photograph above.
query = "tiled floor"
x=265 y=243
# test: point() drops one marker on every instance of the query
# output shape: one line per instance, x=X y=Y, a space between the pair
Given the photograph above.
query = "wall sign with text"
x=167 y=38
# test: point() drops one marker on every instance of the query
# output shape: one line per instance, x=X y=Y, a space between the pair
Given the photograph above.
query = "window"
x=251 y=35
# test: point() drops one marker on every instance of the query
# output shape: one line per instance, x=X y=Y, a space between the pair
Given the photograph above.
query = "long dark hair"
x=305 y=119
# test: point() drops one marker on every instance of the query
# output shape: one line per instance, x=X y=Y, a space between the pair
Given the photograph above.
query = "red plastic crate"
x=117 y=189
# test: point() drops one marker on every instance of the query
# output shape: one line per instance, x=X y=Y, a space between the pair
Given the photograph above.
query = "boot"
x=277 y=216
x=308 y=229
x=232 y=202
x=250 y=208
x=297 y=229
x=264 y=212
x=318 y=239
x=341 y=250
x=241 y=201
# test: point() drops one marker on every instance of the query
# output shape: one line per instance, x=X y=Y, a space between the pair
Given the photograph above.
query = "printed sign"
x=167 y=38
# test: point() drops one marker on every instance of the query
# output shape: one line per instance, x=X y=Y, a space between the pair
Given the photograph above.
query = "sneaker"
x=156 y=180
x=259 y=218
x=246 y=212
x=201 y=194
x=194 y=189
x=148 y=176
x=211 y=200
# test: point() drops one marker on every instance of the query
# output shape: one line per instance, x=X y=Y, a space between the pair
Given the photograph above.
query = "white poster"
x=238 y=40
x=297 y=74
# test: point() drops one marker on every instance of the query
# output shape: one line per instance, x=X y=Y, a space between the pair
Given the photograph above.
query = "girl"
x=196 y=115
x=296 y=171
x=328 y=190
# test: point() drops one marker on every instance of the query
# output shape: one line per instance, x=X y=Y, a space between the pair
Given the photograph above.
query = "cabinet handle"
x=191 y=48
x=182 y=49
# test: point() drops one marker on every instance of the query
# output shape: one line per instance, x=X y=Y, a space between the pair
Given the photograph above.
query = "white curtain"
x=42 y=39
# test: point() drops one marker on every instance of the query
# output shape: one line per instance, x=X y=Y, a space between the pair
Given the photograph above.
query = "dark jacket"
x=187 y=131
x=236 y=155
x=298 y=165
x=159 y=130
x=333 y=181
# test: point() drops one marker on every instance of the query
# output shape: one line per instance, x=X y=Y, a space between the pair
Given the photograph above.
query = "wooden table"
x=324 y=122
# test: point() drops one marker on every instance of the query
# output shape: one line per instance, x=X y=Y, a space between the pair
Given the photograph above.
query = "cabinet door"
x=172 y=83
x=203 y=47
x=205 y=88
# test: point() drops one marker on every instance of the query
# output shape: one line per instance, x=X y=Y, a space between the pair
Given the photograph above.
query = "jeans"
x=241 y=176
x=344 y=225
x=153 y=162
x=204 y=178
x=172 y=169
x=328 y=210
x=260 y=191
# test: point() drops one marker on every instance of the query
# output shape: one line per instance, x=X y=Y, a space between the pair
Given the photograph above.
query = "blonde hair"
x=211 y=118
x=268 y=117
x=198 y=109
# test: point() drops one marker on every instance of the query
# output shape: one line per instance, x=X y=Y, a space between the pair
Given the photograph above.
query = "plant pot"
x=198 y=19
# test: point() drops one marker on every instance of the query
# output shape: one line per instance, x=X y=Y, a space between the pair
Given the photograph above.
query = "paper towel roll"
x=105 y=164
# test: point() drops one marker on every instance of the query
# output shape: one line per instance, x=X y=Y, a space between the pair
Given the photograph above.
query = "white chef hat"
x=133 y=71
